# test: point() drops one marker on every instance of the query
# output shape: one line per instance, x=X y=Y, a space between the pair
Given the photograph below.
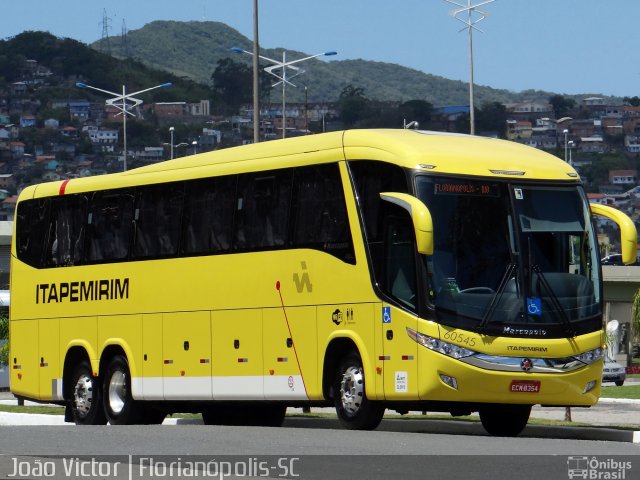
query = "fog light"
x=450 y=381
x=590 y=386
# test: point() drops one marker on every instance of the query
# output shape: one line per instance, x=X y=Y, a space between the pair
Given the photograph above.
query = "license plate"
x=525 y=386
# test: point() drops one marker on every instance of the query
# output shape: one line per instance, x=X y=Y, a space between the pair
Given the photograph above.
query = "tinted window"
x=208 y=223
x=32 y=218
x=319 y=212
x=65 y=237
x=110 y=218
x=263 y=210
x=400 y=269
x=371 y=178
x=157 y=220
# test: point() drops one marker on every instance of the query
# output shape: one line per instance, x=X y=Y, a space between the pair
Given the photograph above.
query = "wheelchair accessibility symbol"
x=534 y=306
x=386 y=314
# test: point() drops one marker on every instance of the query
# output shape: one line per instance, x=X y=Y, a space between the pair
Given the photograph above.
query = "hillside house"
x=632 y=143
x=27 y=120
x=623 y=177
x=518 y=130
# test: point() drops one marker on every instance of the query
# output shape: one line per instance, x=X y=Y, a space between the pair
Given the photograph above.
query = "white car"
x=613 y=372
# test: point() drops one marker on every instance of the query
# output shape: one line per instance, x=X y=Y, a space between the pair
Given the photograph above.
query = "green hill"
x=192 y=49
x=70 y=60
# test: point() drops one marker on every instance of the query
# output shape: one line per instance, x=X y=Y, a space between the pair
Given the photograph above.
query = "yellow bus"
x=365 y=269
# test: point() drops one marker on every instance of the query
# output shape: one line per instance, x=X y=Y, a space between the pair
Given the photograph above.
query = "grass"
x=47 y=410
x=629 y=391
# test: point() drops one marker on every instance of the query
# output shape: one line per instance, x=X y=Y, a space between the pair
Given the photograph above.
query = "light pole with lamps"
x=282 y=77
x=470 y=23
x=566 y=143
x=120 y=101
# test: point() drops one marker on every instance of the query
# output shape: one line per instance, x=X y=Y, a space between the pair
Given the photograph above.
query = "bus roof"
x=431 y=151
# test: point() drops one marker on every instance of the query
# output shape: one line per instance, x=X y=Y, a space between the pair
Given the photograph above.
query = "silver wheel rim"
x=352 y=390
x=83 y=395
x=117 y=391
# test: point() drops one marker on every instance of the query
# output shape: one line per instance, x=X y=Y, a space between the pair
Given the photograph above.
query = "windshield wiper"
x=488 y=314
x=564 y=320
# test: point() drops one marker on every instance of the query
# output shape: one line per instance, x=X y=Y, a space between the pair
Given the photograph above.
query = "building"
x=623 y=177
x=104 y=140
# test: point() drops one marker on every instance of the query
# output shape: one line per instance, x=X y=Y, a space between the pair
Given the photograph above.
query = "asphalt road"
x=319 y=448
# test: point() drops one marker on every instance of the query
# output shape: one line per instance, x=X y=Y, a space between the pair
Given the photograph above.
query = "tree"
x=561 y=105
x=633 y=101
x=492 y=118
x=232 y=83
x=416 y=110
x=353 y=105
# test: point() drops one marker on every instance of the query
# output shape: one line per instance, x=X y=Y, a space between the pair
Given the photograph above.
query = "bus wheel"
x=504 y=420
x=86 y=398
x=119 y=405
x=354 y=410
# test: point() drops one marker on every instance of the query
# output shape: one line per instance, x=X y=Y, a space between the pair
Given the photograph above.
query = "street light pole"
x=120 y=101
x=470 y=25
x=566 y=143
x=282 y=77
x=171 y=145
x=570 y=150
x=256 y=83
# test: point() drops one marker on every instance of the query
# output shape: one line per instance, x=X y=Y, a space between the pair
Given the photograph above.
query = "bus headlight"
x=591 y=356
x=439 y=346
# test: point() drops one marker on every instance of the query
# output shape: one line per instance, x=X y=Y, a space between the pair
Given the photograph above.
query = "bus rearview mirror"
x=420 y=215
x=628 y=233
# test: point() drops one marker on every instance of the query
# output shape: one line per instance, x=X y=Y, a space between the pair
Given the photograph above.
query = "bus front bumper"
x=452 y=380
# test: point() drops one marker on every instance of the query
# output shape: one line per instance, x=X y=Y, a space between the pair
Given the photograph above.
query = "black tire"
x=504 y=420
x=119 y=406
x=355 y=411
x=269 y=415
x=86 y=397
x=619 y=383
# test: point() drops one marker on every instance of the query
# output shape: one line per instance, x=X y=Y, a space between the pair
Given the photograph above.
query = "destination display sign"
x=466 y=188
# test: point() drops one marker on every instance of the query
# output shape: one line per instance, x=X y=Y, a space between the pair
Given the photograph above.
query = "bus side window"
x=32 y=222
x=110 y=220
x=262 y=214
x=371 y=178
x=208 y=220
x=399 y=266
x=65 y=238
x=157 y=220
x=319 y=213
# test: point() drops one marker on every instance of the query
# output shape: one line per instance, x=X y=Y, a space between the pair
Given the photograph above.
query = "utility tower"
x=105 y=46
x=124 y=41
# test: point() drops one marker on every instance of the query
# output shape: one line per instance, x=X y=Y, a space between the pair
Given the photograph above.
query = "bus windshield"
x=514 y=260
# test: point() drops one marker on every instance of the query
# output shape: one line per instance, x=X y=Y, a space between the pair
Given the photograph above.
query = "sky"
x=561 y=46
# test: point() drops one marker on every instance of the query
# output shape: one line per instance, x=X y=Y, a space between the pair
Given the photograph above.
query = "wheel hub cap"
x=352 y=390
x=117 y=392
x=83 y=395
